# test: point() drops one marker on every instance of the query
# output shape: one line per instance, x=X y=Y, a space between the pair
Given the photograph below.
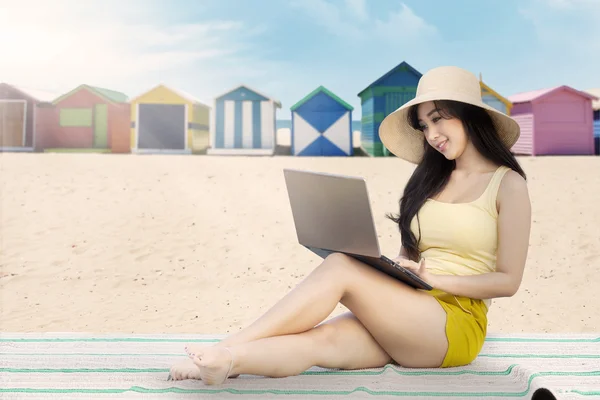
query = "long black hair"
x=433 y=171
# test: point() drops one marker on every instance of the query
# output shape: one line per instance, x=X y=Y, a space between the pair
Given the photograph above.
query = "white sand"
x=124 y=243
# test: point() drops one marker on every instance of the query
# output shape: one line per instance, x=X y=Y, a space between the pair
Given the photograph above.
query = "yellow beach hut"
x=167 y=120
x=492 y=98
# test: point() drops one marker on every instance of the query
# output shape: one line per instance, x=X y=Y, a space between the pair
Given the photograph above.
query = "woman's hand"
x=419 y=269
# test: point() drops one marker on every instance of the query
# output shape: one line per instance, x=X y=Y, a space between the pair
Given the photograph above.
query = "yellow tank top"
x=461 y=238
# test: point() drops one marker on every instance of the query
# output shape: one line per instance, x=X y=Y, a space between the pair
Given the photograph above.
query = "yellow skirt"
x=466 y=327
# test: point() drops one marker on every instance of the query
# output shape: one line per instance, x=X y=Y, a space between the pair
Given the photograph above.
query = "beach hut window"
x=76 y=117
x=597 y=115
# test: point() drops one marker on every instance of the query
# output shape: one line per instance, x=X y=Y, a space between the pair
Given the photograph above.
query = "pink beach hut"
x=554 y=121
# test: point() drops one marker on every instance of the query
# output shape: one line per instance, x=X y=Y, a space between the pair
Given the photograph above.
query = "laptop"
x=332 y=214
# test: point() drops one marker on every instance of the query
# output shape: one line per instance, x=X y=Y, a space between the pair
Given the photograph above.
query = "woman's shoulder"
x=513 y=189
x=512 y=181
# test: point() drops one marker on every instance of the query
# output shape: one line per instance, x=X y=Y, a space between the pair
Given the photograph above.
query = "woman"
x=464 y=221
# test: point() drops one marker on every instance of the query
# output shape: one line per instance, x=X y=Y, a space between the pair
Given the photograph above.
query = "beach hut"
x=382 y=97
x=596 y=110
x=244 y=123
x=494 y=99
x=554 y=121
x=168 y=120
x=18 y=116
x=87 y=118
x=321 y=125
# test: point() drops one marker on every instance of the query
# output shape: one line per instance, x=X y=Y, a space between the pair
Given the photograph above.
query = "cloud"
x=358 y=8
x=569 y=4
x=123 y=45
x=412 y=25
x=353 y=21
x=565 y=49
x=572 y=26
x=331 y=17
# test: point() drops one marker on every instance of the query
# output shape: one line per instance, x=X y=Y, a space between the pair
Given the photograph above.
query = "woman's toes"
x=185 y=369
x=194 y=350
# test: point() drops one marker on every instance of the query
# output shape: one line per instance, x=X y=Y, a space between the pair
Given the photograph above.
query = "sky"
x=287 y=48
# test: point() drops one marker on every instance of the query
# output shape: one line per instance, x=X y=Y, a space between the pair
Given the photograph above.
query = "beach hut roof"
x=403 y=64
x=35 y=94
x=277 y=102
x=496 y=94
x=322 y=89
x=538 y=94
x=111 y=96
x=187 y=96
x=595 y=103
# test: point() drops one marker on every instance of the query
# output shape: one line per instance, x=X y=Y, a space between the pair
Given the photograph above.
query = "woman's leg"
x=408 y=324
x=300 y=310
x=304 y=307
x=326 y=346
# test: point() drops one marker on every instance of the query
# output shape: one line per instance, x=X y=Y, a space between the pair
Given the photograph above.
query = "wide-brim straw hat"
x=441 y=83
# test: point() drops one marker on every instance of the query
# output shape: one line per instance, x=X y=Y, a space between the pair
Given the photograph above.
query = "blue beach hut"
x=397 y=87
x=596 y=111
x=322 y=125
x=244 y=123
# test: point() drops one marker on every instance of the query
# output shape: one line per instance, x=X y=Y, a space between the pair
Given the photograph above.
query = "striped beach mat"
x=99 y=366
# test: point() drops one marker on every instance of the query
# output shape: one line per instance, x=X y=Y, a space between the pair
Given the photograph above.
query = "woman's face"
x=447 y=136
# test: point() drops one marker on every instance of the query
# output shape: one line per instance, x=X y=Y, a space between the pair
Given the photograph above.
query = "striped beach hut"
x=87 y=118
x=596 y=111
x=244 y=123
x=168 y=120
x=18 y=115
x=322 y=125
x=554 y=121
x=494 y=99
x=382 y=97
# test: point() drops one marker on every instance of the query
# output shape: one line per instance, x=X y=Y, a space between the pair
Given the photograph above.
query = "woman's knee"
x=336 y=258
x=327 y=337
x=343 y=342
x=339 y=264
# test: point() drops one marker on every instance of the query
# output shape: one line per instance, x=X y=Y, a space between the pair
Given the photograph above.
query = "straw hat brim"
x=405 y=142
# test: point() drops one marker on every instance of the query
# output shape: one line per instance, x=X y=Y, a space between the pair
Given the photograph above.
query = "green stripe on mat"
x=100 y=354
x=562 y=356
x=139 y=389
x=156 y=340
x=128 y=339
x=541 y=340
x=593 y=356
x=381 y=371
x=583 y=393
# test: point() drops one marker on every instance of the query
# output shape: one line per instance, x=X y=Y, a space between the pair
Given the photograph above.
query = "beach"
x=198 y=244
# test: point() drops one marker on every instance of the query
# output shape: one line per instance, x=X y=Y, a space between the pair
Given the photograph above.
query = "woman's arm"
x=483 y=286
x=514 y=225
x=403 y=255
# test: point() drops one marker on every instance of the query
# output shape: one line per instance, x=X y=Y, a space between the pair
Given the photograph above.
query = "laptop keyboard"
x=394 y=264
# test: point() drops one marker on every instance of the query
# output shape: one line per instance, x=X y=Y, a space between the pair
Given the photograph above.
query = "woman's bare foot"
x=185 y=369
x=214 y=363
x=195 y=349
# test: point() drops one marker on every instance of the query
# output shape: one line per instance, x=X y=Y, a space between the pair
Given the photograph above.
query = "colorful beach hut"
x=596 y=111
x=18 y=114
x=554 y=121
x=244 y=123
x=321 y=125
x=87 y=118
x=382 y=97
x=494 y=99
x=168 y=120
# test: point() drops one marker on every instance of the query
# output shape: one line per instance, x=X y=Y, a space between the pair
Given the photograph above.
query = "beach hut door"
x=101 y=126
x=12 y=123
